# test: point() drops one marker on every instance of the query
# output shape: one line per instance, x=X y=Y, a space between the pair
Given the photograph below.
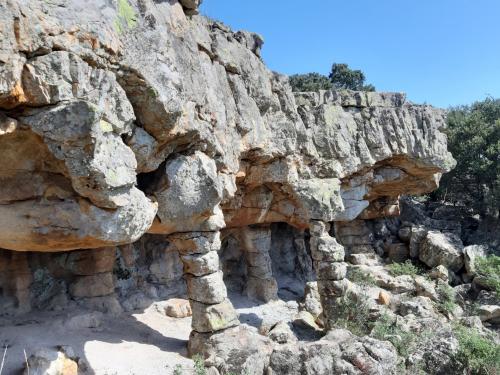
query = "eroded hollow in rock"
x=267 y=262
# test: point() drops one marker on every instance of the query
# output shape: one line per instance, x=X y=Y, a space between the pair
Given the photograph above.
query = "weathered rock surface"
x=135 y=133
x=442 y=249
x=95 y=131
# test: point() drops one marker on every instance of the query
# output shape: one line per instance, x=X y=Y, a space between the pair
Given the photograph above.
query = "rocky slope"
x=143 y=144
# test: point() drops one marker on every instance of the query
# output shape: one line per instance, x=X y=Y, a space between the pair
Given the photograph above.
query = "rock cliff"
x=142 y=122
x=124 y=118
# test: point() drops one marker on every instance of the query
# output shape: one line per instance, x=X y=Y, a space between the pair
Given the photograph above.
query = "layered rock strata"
x=212 y=310
x=328 y=256
x=119 y=119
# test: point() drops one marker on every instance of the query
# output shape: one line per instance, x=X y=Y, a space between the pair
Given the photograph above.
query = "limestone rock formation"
x=102 y=137
x=144 y=138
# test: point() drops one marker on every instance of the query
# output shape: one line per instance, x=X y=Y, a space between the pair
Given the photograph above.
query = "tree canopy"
x=340 y=77
x=310 y=82
x=474 y=140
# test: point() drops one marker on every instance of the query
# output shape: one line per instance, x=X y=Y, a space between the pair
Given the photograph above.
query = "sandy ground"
x=141 y=343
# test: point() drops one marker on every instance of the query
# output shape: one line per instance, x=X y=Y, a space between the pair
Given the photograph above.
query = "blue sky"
x=443 y=52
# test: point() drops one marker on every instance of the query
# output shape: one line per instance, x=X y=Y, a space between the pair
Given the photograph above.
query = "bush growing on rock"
x=477 y=354
x=385 y=328
x=199 y=365
x=446 y=302
x=357 y=276
x=406 y=268
x=352 y=313
x=488 y=268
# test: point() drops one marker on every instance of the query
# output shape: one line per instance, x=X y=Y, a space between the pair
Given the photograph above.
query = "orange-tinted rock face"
x=101 y=144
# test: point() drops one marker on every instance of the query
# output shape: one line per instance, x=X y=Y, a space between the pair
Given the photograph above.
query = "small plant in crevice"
x=126 y=18
x=477 y=354
x=488 y=268
x=199 y=365
x=406 y=268
x=177 y=370
x=352 y=313
x=386 y=328
x=357 y=276
x=446 y=298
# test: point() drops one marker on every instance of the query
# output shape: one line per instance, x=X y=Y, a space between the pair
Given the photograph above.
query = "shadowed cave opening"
x=286 y=259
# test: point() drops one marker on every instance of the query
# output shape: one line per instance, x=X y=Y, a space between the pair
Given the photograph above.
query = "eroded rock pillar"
x=256 y=243
x=328 y=256
x=212 y=310
x=15 y=279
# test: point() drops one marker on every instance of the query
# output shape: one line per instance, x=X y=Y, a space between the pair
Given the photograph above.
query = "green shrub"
x=385 y=328
x=199 y=365
x=309 y=82
x=357 y=276
x=474 y=141
x=489 y=269
x=352 y=313
x=341 y=77
x=126 y=16
x=406 y=268
x=446 y=298
x=178 y=370
x=477 y=355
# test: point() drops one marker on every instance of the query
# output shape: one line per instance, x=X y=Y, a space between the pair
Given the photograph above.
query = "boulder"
x=282 y=333
x=177 y=308
x=211 y=318
x=489 y=313
x=236 y=350
x=442 y=249
x=339 y=352
x=51 y=362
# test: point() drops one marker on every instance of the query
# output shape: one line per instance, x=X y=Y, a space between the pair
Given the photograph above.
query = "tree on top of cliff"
x=310 y=82
x=343 y=77
x=474 y=140
x=340 y=77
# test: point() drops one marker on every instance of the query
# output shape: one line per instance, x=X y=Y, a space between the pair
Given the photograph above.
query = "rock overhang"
x=189 y=101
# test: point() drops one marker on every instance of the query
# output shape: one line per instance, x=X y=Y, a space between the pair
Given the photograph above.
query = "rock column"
x=212 y=310
x=328 y=256
x=15 y=279
x=261 y=284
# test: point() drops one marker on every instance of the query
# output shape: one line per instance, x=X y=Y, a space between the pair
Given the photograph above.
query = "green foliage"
x=477 y=354
x=489 y=269
x=199 y=365
x=406 y=268
x=127 y=18
x=352 y=313
x=446 y=298
x=474 y=140
x=309 y=82
x=178 y=370
x=343 y=77
x=357 y=276
x=385 y=328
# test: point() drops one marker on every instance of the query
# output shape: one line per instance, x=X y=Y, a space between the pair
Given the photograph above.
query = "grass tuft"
x=406 y=268
x=489 y=269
